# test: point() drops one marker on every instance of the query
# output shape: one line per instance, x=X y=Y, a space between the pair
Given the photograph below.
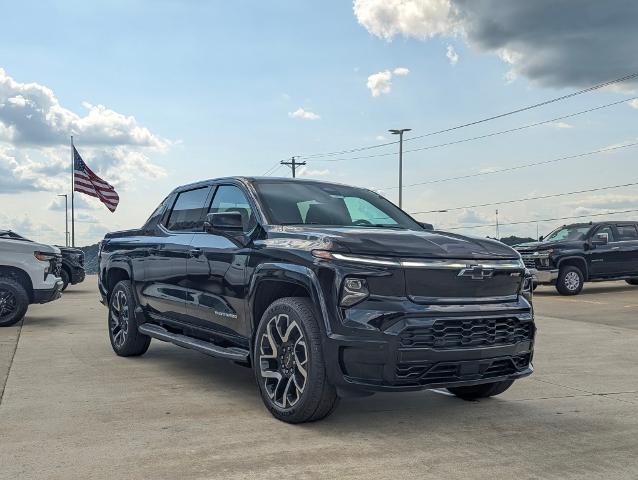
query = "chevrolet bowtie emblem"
x=476 y=272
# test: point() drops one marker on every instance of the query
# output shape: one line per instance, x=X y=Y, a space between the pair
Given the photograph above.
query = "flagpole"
x=72 y=195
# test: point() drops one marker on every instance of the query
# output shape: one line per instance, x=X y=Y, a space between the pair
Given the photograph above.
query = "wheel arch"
x=20 y=276
x=277 y=280
x=115 y=272
x=575 y=261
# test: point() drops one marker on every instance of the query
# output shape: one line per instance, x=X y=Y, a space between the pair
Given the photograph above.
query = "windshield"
x=306 y=203
x=568 y=233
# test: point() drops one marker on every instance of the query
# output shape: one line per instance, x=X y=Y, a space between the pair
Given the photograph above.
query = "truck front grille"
x=424 y=373
x=467 y=333
x=529 y=261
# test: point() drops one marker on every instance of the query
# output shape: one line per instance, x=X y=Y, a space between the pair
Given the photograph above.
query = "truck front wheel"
x=481 y=391
x=570 y=280
x=14 y=301
x=289 y=365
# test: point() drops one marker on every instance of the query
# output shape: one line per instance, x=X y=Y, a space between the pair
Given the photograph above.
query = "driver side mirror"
x=600 y=239
x=541 y=238
x=224 y=222
x=426 y=226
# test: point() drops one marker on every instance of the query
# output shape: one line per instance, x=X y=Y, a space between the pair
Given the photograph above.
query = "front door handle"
x=195 y=252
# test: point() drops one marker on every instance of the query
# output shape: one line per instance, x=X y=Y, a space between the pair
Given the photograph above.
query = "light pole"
x=400 y=133
x=66 y=217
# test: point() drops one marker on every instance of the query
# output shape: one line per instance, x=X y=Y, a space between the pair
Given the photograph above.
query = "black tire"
x=632 y=281
x=14 y=301
x=534 y=286
x=125 y=338
x=570 y=280
x=481 y=391
x=64 y=275
x=318 y=398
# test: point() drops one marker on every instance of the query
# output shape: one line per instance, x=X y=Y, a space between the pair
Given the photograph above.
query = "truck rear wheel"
x=14 y=301
x=126 y=340
x=289 y=365
x=481 y=391
x=570 y=280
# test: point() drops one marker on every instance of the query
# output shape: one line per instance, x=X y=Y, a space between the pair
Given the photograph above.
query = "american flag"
x=85 y=181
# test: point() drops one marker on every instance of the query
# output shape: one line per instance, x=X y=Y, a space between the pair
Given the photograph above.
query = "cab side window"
x=627 y=232
x=229 y=198
x=188 y=212
x=606 y=231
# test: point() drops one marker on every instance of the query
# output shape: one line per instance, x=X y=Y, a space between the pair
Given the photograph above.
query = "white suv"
x=29 y=273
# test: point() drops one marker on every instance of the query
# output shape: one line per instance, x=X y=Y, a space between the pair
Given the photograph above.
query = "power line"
x=545 y=220
x=516 y=167
x=483 y=120
x=272 y=169
x=293 y=163
x=480 y=137
x=541 y=197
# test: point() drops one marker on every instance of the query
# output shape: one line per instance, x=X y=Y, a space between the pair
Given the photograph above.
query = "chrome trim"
x=434 y=264
x=368 y=260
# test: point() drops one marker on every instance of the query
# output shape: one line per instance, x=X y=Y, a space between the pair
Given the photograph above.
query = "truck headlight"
x=43 y=256
x=354 y=290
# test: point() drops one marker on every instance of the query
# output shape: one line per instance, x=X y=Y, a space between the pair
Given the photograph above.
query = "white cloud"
x=306 y=172
x=410 y=18
x=562 y=125
x=633 y=103
x=34 y=136
x=31 y=114
x=303 y=114
x=381 y=82
x=473 y=217
x=452 y=56
x=81 y=202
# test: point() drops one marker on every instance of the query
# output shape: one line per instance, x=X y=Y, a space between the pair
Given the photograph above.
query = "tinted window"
x=572 y=234
x=627 y=232
x=188 y=212
x=229 y=198
x=311 y=203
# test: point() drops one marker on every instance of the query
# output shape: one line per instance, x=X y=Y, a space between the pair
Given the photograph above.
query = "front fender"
x=298 y=274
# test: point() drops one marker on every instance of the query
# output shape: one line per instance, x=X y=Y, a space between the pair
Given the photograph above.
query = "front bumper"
x=45 y=295
x=439 y=350
x=544 y=276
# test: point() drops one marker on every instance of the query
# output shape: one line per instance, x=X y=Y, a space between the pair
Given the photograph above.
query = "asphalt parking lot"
x=72 y=409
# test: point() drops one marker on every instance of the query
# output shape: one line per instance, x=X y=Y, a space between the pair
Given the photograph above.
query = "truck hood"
x=391 y=242
x=22 y=246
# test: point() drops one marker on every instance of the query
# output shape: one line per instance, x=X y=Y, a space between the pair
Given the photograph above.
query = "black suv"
x=584 y=252
x=72 y=266
x=325 y=290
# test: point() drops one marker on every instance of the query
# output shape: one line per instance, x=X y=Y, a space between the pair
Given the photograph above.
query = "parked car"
x=72 y=266
x=325 y=290
x=29 y=273
x=584 y=252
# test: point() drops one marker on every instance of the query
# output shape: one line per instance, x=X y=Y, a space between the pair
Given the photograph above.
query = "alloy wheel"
x=283 y=359
x=7 y=303
x=119 y=318
x=572 y=281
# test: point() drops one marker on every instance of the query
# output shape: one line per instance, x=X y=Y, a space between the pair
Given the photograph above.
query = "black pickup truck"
x=325 y=290
x=584 y=252
x=72 y=266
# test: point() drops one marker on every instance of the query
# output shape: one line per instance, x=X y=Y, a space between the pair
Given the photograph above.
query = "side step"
x=232 y=353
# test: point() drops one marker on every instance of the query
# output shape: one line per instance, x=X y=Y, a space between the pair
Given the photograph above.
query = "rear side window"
x=188 y=211
x=229 y=198
x=627 y=232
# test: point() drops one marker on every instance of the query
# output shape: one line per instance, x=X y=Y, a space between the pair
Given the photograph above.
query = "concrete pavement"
x=72 y=409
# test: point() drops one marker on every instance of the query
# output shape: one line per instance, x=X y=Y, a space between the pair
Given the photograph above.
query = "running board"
x=232 y=353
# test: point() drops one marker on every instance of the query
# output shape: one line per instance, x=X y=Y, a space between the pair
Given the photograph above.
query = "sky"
x=162 y=93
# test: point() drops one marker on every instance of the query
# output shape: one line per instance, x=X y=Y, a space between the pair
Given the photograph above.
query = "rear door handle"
x=195 y=252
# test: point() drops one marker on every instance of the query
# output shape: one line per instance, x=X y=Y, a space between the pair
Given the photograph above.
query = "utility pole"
x=293 y=164
x=498 y=234
x=400 y=133
x=66 y=217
